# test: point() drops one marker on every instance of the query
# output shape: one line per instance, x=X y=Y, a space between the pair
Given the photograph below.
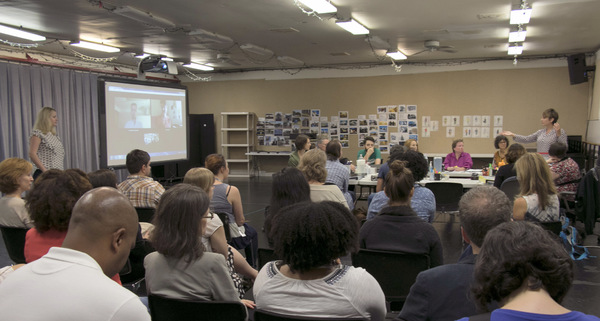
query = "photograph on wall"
x=343 y=130
x=324 y=124
x=314 y=123
x=382 y=136
x=297 y=113
x=383 y=117
x=373 y=122
x=333 y=124
x=485 y=132
x=383 y=129
x=260 y=132
x=403 y=129
x=353 y=130
x=278 y=116
x=497 y=131
x=401 y=108
x=498 y=120
x=450 y=132
x=373 y=128
x=353 y=122
x=305 y=113
x=333 y=131
x=315 y=112
x=485 y=120
x=392 y=116
x=395 y=138
x=278 y=124
x=345 y=144
x=411 y=108
x=425 y=121
x=382 y=109
x=446 y=121
x=361 y=137
x=475 y=133
x=324 y=131
x=372 y=133
x=305 y=122
x=426 y=132
x=344 y=136
x=268 y=140
x=343 y=114
x=343 y=122
x=362 y=120
x=278 y=132
x=402 y=116
x=392 y=123
x=476 y=120
x=383 y=123
x=435 y=125
x=467 y=132
x=413 y=131
x=296 y=121
x=374 y=117
x=334 y=137
x=467 y=121
x=261 y=140
x=335 y=119
x=384 y=149
x=412 y=123
x=392 y=109
x=455 y=120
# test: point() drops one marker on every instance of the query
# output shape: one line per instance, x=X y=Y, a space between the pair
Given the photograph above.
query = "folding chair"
x=261 y=315
x=14 y=240
x=164 y=309
x=447 y=195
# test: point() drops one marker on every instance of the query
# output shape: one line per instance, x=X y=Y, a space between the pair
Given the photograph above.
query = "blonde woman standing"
x=46 y=151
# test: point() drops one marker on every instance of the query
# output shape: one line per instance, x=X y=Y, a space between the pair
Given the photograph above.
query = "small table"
x=256 y=156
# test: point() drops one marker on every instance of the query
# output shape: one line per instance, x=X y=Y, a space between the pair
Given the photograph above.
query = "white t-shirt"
x=67 y=285
x=347 y=292
x=13 y=213
x=211 y=226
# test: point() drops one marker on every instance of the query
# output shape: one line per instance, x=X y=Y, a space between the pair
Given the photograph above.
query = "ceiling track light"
x=290 y=60
x=515 y=49
x=21 y=34
x=94 y=46
x=256 y=49
x=319 y=6
x=521 y=15
x=396 y=55
x=194 y=65
x=143 y=17
x=353 y=27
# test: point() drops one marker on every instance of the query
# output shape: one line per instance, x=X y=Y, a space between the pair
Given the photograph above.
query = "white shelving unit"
x=237 y=139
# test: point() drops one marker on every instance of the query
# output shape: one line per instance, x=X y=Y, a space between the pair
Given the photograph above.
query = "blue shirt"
x=512 y=315
x=339 y=175
x=422 y=202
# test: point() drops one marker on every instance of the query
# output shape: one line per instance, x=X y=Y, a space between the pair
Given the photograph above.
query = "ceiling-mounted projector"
x=153 y=63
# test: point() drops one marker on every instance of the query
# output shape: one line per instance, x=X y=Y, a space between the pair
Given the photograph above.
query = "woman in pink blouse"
x=458 y=160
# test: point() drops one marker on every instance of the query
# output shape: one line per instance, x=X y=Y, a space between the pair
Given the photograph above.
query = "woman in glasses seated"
x=181 y=268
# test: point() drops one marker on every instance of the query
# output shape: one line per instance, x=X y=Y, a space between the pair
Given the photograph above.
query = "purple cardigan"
x=464 y=160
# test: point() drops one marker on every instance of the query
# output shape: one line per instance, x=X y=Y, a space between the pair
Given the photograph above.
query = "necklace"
x=217 y=179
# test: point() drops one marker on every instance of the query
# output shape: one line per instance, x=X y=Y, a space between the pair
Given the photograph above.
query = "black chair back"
x=261 y=315
x=145 y=214
x=447 y=195
x=14 y=240
x=396 y=272
x=225 y=219
x=554 y=227
x=511 y=188
x=164 y=309
x=265 y=256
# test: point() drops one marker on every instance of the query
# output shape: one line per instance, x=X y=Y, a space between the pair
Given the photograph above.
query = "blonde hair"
x=11 y=169
x=535 y=178
x=43 y=122
x=312 y=165
x=201 y=177
x=409 y=142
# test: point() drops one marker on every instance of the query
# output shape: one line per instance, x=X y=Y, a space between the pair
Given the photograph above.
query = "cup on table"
x=437 y=176
x=446 y=177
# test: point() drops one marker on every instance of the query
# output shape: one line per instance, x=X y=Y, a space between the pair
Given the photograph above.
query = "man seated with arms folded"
x=302 y=144
x=442 y=293
x=139 y=187
x=458 y=160
x=71 y=282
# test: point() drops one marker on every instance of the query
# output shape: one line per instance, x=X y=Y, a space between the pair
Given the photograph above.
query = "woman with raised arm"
x=551 y=132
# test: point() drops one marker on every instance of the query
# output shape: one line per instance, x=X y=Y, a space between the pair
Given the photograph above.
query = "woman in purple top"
x=551 y=133
x=458 y=160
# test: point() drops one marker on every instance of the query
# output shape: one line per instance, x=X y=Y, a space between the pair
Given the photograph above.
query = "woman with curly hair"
x=397 y=227
x=309 y=281
x=527 y=272
x=181 y=268
x=501 y=144
x=537 y=200
x=50 y=203
x=313 y=167
x=15 y=178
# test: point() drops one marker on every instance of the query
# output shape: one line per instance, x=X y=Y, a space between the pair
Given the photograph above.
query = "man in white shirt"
x=71 y=282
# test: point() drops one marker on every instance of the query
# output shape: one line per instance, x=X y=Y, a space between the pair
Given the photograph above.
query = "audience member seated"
x=227 y=199
x=529 y=282
x=70 y=282
x=213 y=237
x=50 y=203
x=322 y=142
x=397 y=227
x=103 y=177
x=289 y=187
x=442 y=293
x=139 y=187
x=395 y=152
x=15 y=178
x=313 y=167
x=565 y=171
x=181 y=268
x=501 y=144
x=412 y=144
x=302 y=144
x=370 y=153
x=537 y=201
x=309 y=281
x=515 y=151
x=337 y=173
x=458 y=160
x=422 y=201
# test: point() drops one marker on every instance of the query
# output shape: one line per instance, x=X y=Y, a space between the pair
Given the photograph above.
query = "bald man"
x=71 y=282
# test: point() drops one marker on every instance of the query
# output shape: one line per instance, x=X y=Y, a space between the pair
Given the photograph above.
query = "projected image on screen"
x=148 y=117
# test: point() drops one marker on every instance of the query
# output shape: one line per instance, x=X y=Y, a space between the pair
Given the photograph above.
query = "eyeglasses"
x=209 y=216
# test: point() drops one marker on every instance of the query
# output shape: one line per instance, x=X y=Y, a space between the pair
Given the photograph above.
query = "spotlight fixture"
x=199 y=67
x=94 y=46
x=256 y=49
x=290 y=61
x=143 y=17
x=396 y=55
x=21 y=34
x=353 y=27
x=319 y=6
x=517 y=36
x=515 y=50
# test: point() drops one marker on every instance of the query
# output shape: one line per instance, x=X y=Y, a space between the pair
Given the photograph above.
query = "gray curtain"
x=25 y=89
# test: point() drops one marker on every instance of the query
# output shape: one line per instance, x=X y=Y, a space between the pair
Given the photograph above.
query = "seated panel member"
x=302 y=144
x=71 y=282
x=370 y=153
x=458 y=160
